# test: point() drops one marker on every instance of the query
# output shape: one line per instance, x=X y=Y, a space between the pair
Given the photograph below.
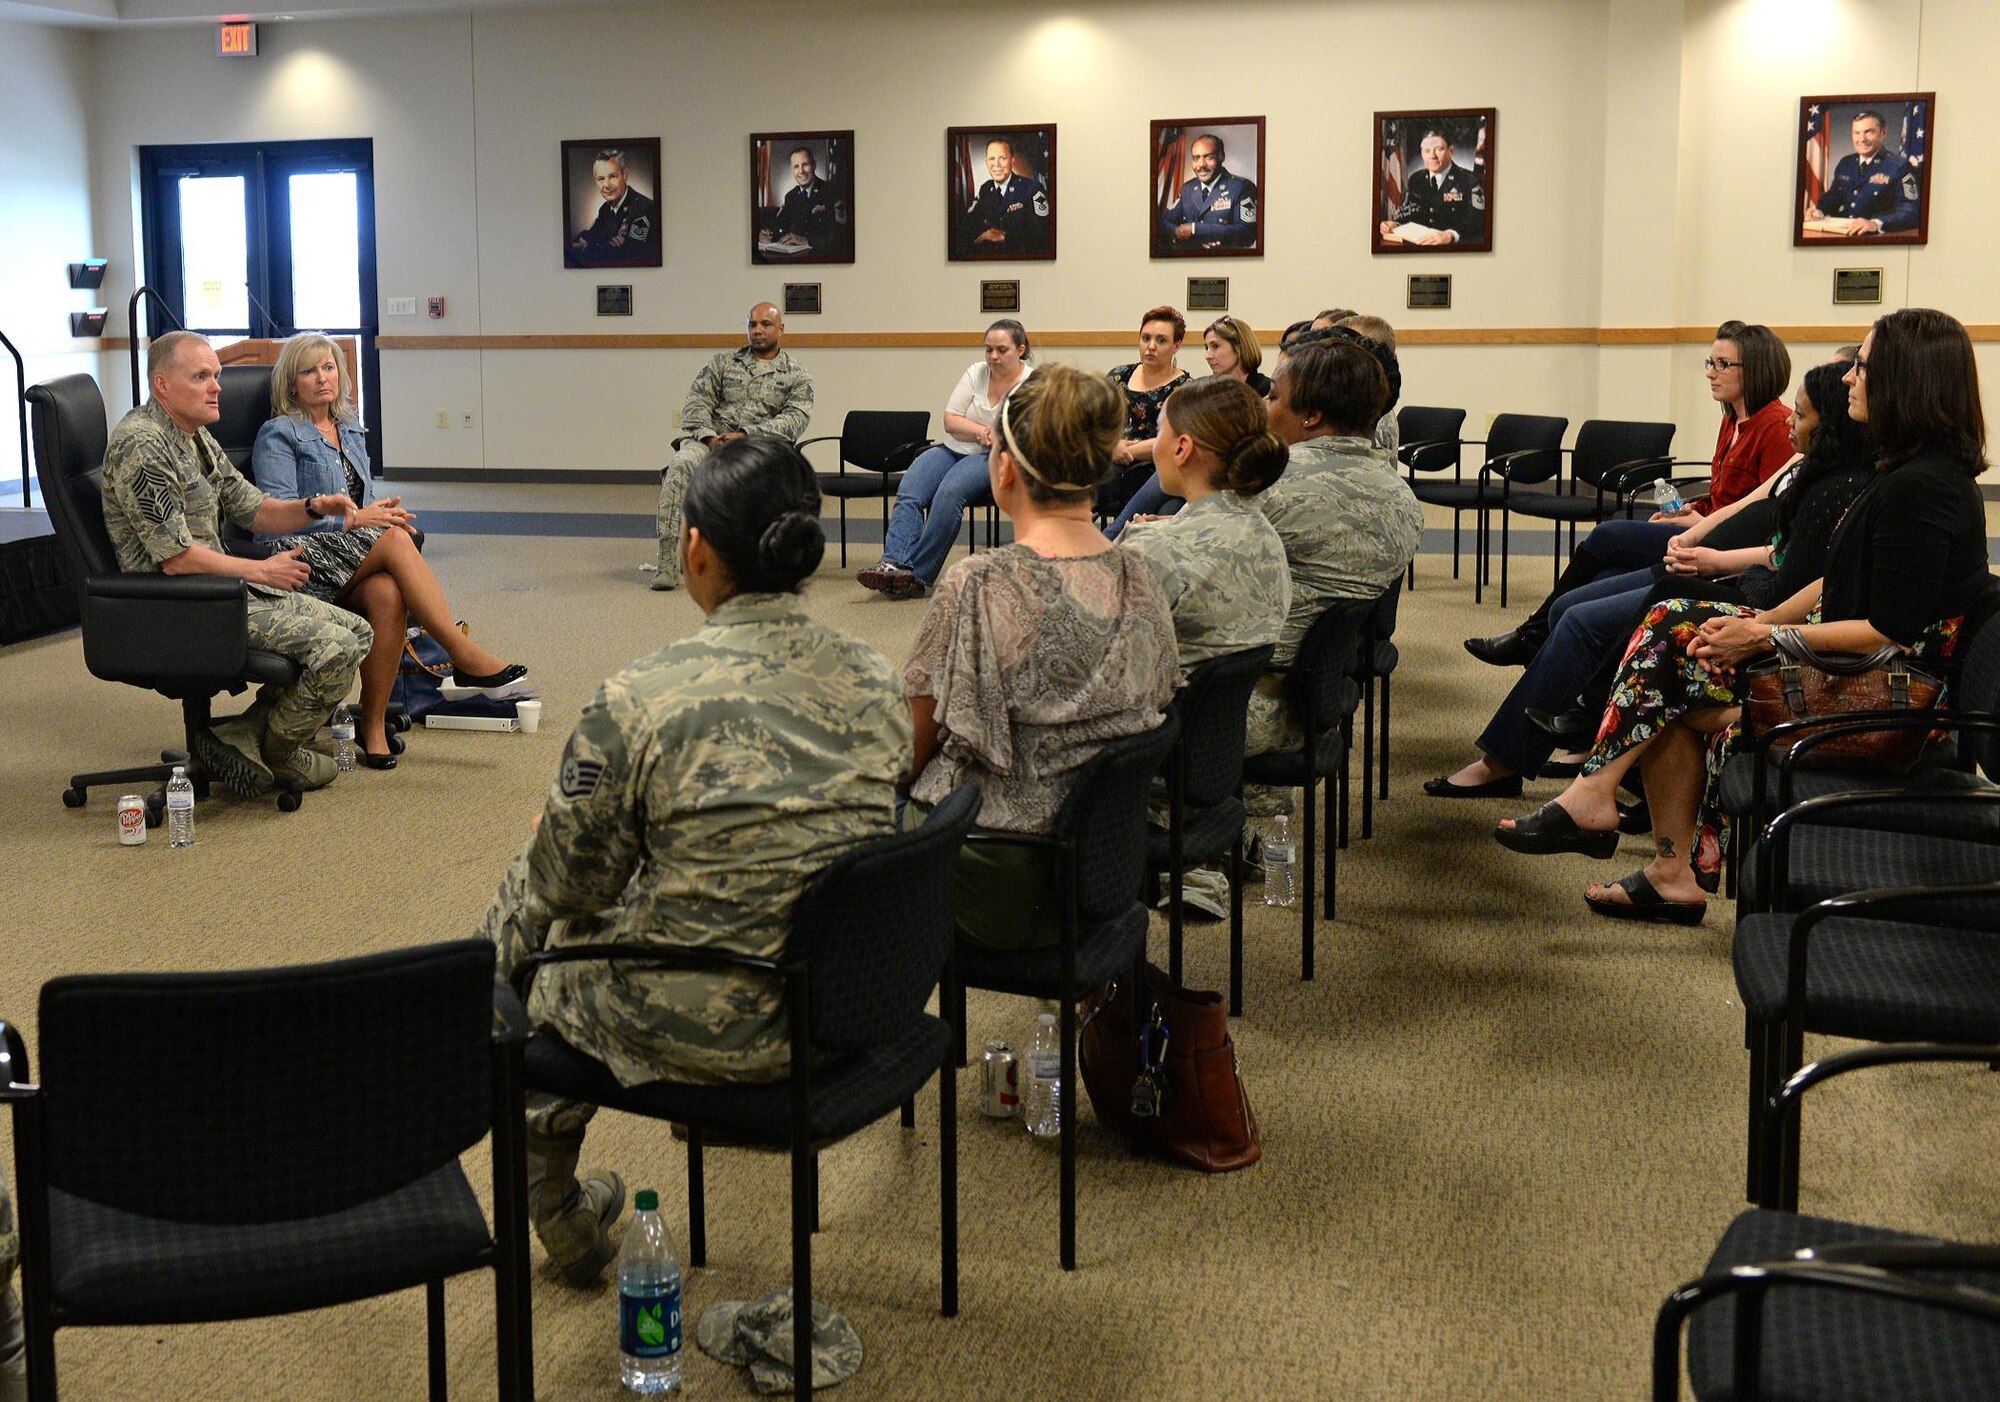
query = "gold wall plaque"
x=1856 y=285
x=802 y=298
x=1208 y=294
x=1429 y=292
x=999 y=295
x=614 y=301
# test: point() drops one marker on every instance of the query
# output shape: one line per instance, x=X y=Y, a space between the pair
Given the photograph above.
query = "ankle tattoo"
x=1666 y=847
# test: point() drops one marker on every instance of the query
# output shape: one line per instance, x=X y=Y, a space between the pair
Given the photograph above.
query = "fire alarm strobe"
x=437 y=308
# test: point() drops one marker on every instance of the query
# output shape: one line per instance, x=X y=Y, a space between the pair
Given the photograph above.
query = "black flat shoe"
x=1549 y=830
x=1635 y=818
x=1442 y=787
x=1514 y=648
x=1560 y=769
x=1573 y=729
x=368 y=760
x=506 y=676
x=1644 y=903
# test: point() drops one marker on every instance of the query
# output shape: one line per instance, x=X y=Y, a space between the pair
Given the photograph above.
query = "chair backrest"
x=1440 y=429
x=876 y=926
x=246 y=405
x=1602 y=444
x=1214 y=710
x=1327 y=656
x=1380 y=628
x=1106 y=814
x=1511 y=433
x=869 y=437
x=268 y=1094
x=70 y=434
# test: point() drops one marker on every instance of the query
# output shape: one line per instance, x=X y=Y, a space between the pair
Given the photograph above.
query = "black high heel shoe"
x=1549 y=829
x=506 y=676
x=368 y=760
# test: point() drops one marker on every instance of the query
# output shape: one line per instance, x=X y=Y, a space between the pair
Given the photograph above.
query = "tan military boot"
x=13 y=1353
x=572 y=1219
x=232 y=757
x=312 y=769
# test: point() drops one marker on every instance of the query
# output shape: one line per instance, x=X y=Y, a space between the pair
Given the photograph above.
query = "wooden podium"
x=262 y=351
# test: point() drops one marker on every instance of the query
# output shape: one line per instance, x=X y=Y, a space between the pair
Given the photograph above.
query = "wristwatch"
x=316 y=515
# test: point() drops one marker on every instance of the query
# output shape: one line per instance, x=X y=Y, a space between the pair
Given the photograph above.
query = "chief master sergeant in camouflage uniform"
x=703 y=788
x=166 y=484
x=759 y=389
x=1348 y=520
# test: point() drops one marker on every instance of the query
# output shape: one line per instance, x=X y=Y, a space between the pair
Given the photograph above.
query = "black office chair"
x=1811 y=1307
x=880 y=444
x=186 y=637
x=246 y=405
x=1098 y=851
x=872 y=937
x=1205 y=815
x=1324 y=696
x=217 y=1146
x=1520 y=448
x=1606 y=452
x=1430 y=439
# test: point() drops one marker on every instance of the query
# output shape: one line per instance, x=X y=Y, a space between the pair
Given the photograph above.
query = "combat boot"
x=312 y=769
x=668 y=575
x=13 y=1351
x=572 y=1219
x=231 y=755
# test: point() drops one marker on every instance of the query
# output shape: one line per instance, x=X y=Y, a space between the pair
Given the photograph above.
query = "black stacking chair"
x=1324 y=696
x=871 y=939
x=1606 y=451
x=1809 y=854
x=1765 y=780
x=1429 y=439
x=1520 y=449
x=1205 y=816
x=1097 y=851
x=880 y=444
x=1811 y=1307
x=1895 y=965
x=186 y=637
x=1375 y=663
x=220 y=1146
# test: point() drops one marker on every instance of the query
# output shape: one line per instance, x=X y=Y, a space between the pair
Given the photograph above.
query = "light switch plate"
x=402 y=306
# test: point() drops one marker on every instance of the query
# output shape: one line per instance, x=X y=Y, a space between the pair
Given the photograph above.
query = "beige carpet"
x=1496 y=1128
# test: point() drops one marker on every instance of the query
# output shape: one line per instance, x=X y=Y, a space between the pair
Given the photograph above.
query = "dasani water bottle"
x=649 y=1302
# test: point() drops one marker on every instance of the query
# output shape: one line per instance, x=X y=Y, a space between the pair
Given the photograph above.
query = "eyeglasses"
x=1719 y=365
x=1860 y=368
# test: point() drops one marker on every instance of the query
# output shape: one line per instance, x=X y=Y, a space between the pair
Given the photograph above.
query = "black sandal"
x=1645 y=903
x=1549 y=829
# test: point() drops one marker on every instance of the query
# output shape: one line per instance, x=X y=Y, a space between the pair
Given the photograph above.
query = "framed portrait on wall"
x=1000 y=193
x=1864 y=169
x=610 y=215
x=802 y=197
x=1434 y=181
x=1208 y=188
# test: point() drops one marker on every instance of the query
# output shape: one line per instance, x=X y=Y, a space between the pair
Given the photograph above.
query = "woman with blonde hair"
x=367 y=560
x=1034 y=656
x=1232 y=352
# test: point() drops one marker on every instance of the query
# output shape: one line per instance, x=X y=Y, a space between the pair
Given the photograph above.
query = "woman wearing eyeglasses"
x=1906 y=567
x=1748 y=370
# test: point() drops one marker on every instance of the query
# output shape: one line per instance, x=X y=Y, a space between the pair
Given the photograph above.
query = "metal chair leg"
x=697 y=1203
x=434 y=1338
x=1382 y=770
x=948 y=1188
x=1306 y=893
x=1236 y=927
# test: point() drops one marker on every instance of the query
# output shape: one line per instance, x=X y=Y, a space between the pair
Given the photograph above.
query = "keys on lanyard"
x=1149 y=1090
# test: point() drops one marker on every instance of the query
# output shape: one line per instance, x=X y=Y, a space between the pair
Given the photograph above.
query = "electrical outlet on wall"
x=443 y=422
x=466 y=422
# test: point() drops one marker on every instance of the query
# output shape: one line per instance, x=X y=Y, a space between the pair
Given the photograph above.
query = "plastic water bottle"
x=1667 y=498
x=1280 y=863
x=180 y=809
x=649 y=1302
x=1041 y=1100
x=343 y=740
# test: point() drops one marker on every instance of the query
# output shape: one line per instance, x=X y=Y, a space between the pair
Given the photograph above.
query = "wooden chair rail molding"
x=970 y=339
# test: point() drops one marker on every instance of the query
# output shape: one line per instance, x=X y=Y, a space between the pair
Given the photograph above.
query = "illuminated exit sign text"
x=236 y=39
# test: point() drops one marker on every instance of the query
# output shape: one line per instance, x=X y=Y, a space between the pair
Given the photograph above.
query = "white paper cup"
x=529 y=713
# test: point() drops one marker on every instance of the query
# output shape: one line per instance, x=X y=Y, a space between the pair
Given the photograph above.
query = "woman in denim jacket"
x=314 y=446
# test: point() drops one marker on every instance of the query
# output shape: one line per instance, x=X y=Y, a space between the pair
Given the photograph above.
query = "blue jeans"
x=1630 y=545
x=1586 y=623
x=1149 y=500
x=929 y=505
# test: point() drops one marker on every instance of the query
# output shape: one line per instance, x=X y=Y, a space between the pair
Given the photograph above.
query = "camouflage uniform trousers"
x=13 y=1366
x=673 y=486
x=1271 y=727
x=549 y=1116
x=327 y=642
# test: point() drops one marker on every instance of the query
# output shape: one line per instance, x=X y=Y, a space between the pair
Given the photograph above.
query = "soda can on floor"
x=131 y=820
x=999 y=1093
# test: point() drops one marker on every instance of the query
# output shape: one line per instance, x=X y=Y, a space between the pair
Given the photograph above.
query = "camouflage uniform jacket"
x=1349 y=523
x=1222 y=568
x=703 y=788
x=738 y=393
x=165 y=490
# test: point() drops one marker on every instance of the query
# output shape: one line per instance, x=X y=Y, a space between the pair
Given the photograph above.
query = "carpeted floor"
x=1496 y=1128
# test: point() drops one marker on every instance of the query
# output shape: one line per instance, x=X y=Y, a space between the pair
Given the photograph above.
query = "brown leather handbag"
x=1797 y=683
x=1183 y=1082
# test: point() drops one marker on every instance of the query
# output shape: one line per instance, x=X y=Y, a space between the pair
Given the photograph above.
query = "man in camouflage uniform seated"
x=13 y=1343
x=701 y=791
x=758 y=389
x=167 y=483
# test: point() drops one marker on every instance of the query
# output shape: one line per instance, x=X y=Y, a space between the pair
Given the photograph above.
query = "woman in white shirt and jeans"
x=952 y=475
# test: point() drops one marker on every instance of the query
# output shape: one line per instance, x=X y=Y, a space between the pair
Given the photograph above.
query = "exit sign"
x=236 y=39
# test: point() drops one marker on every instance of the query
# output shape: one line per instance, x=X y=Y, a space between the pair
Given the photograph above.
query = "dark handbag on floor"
x=1186 y=1074
x=1798 y=683
x=420 y=674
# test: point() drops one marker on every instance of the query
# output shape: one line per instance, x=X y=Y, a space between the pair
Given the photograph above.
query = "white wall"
x=45 y=210
x=1643 y=179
